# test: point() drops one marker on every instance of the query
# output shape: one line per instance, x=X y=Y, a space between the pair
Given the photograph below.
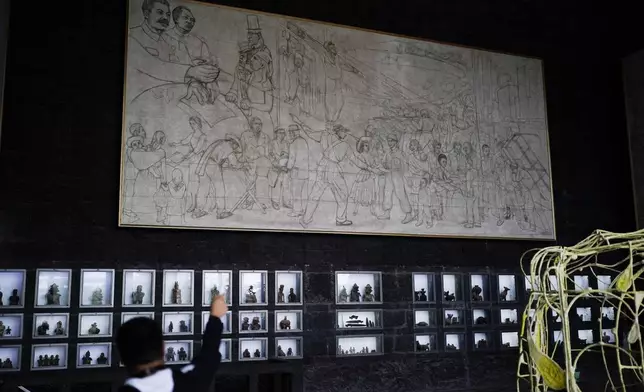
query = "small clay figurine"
x=40 y=362
x=102 y=359
x=246 y=353
x=53 y=295
x=480 y=320
x=7 y=332
x=251 y=297
x=503 y=295
x=55 y=361
x=14 y=300
x=421 y=296
x=214 y=292
x=59 y=330
x=481 y=344
x=354 y=296
x=476 y=293
x=292 y=298
x=289 y=352
x=285 y=324
x=226 y=293
x=2 y=328
x=137 y=296
x=343 y=296
x=46 y=361
x=449 y=297
x=87 y=358
x=169 y=354
x=605 y=338
x=7 y=364
x=506 y=344
x=1 y=296
x=183 y=354
x=257 y=354
x=450 y=347
x=170 y=327
x=280 y=352
x=280 y=294
x=42 y=329
x=245 y=324
x=183 y=327
x=97 y=297
x=368 y=294
x=176 y=294
x=255 y=325
x=93 y=329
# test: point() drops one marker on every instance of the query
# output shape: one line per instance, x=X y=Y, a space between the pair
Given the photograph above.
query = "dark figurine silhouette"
x=170 y=327
x=87 y=358
x=42 y=329
x=59 y=330
x=291 y=296
x=183 y=327
x=421 y=295
x=449 y=297
x=476 y=293
x=102 y=359
x=285 y=324
x=14 y=299
x=289 y=352
x=354 y=296
x=422 y=347
x=1 y=296
x=481 y=320
x=53 y=295
x=169 y=354
x=183 y=354
x=504 y=294
x=137 y=296
x=605 y=338
x=255 y=324
x=7 y=364
x=245 y=324
x=257 y=354
x=280 y=294
x=246 y=353
x=280 y=352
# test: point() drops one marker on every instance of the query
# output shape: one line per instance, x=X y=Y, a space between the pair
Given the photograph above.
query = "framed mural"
x=242 y=120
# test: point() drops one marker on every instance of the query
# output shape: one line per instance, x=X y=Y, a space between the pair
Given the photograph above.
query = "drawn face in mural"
x=442 y=160
x=467 y=148
x=340 y=131
x=392 y=141
x=256 y=125
x=486 y=150
x=293 y=131
x=437 y=148
x=195 y=124
x=158 y=18
x=457 y=147
x=186 y=21
x=254 y=38
x=280 y=134
x=414 y=146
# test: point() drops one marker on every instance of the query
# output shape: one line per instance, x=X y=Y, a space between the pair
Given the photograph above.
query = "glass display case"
x=178 y=323
x=288 y=348
x=585 y=337
x=178 y=288
x=508 y=316
x=49 y=356
x=509 y=340
x=253 y=349
x=10 y=358
x=253 y=321
x=479 y=288
x=94 y=325
x=507 y=288
x=226 y=350
x=51 y=325
x=252 y=288
x=359 y=319
x=226 y=320
x=355 y=287
x=53 y=288
x=138 y=288
x=452 y=287
x=94 y=355
x=125 y=317
x=217 y=282
x=11 y=326
x=454 y=341
x=425 y=343
x=582 y=282
x=97 y=288
x=12 y=288
x=348 y=346
x=288 y=321
x=425 y=318
x=453 y=318
x=481 y=318
x=288 y=288
x=424 y=287
x=482 y=340
x=178 y=352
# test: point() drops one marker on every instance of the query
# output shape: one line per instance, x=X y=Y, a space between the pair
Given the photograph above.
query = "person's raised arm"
x=311 y=134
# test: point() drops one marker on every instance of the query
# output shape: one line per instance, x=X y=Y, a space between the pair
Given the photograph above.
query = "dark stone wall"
x=59 y=167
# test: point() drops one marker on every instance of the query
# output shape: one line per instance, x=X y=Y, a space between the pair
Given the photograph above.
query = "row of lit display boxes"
x=176 y=352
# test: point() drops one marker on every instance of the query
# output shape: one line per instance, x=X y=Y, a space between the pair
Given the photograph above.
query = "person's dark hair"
x=176 y=12
x=149 y=4
x=442 y=156
x=139 y=341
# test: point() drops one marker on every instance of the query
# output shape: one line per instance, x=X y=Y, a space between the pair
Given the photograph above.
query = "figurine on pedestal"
x=343 y=296
x=169 y=354
x=421 y=296
x=368 y=294
x=257 y=354
x=246 y=353
x=449 y=297
x=14 y=299
x=255 y=325
x=87 y=358
x=214 y=292
x=97 y=297
x=42 y=329
x=503 y=295
x=93 y=329
x=53 y=295
x=251 y=297
x=245 y=324
x=175 y=297
x=183 y=354
x=292 y=298
x=289 y=352
x=102 y=359
x=41 y=361
x=59 y=330
x=170 y=327
x=183 y=327
x=476 y=293
x=2 y=328
x=7 y=364
x=285 y=324
x=280 y=352
x=449 y=319
x=280 y=294
x=354 y=296
x=137 y=296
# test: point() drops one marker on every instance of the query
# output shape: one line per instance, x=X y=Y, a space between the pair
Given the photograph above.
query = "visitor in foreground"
x=140 y=343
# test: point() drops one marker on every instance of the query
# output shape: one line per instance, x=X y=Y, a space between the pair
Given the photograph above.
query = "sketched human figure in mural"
x=243 y=121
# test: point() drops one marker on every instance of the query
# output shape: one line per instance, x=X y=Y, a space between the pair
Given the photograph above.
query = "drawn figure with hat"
x=395 y=164
x=253 y=84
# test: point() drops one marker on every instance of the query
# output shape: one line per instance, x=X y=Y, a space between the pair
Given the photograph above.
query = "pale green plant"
x=537 y=365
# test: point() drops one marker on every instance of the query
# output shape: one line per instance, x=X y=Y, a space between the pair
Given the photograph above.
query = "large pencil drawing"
x=240 y=120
